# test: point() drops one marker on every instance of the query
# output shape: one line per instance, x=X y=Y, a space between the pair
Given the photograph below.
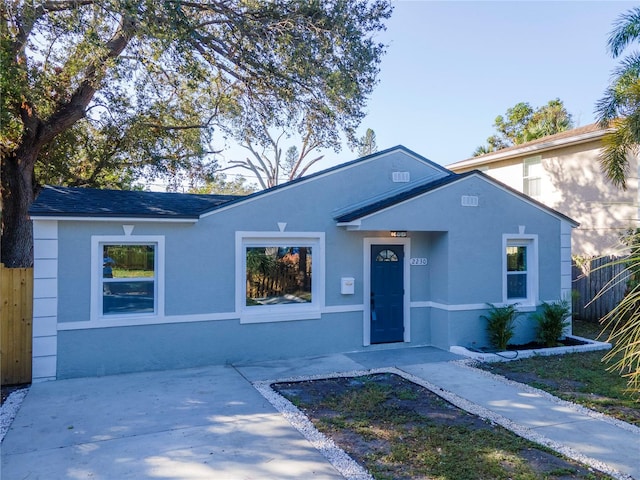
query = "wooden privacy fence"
x=281 y=280
x=16 y=320
x=588 y=281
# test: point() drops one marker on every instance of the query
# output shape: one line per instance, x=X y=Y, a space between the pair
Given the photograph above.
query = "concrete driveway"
x=206 y=423
x=211 y=422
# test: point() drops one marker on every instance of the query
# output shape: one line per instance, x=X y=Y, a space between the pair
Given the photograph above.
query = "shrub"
x=552 y=321
x=501 y=322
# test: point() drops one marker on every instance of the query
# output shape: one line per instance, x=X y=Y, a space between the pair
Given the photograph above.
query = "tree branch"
x=70 y=112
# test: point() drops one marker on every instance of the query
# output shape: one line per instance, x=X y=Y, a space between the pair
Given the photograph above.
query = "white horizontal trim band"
x=132 y=321
x=465 y=307
x=210 y=317
x=449 y=308
x=343 y=309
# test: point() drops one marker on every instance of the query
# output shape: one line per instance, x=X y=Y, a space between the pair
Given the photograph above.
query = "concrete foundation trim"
x=45 y=300
x=508 y=355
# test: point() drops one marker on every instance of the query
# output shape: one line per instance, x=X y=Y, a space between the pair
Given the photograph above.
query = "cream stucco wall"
x=573 y=184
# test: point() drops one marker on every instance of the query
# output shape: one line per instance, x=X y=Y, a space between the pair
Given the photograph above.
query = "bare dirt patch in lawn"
x=399 y=430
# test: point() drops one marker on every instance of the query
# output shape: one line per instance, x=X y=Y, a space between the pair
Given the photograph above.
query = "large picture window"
x=279 y=276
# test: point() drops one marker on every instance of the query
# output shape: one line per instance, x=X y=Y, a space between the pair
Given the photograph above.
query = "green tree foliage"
x=367 y=143
x=219 y=185
x=623 y=321
x=522 y=123
x=112 y=152
x=163 y=75
x=619 y=108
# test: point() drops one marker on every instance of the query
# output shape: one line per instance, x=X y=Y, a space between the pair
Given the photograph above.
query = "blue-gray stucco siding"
x=463 y=246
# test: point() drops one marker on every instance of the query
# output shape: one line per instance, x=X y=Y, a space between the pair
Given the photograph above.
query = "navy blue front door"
x=387 y=293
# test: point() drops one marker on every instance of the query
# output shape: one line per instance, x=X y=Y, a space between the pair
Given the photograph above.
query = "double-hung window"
x=279 y=276
x=516 y=271
x=520 y=261
x=532 y=176
x=127 y=276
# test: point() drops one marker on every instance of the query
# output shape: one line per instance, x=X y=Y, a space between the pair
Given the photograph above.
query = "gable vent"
x=400 y=177
x=469 y=201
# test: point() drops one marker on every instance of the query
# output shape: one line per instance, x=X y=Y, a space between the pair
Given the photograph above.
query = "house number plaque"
x=418 y=261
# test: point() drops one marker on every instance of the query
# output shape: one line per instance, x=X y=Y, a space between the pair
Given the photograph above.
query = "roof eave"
x=115 y=218
x=528 y=149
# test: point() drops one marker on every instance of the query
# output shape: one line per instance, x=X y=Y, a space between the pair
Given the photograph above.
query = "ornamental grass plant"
x=552 y=321
x=501 y=323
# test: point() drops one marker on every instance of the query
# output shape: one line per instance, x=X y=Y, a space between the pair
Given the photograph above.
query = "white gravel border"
x=10 y=408
x=353 y=471
x=346 y=466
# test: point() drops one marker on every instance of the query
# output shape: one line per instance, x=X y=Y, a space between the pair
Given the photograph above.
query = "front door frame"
x=367 y=243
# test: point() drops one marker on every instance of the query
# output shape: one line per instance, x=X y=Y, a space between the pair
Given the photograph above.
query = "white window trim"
x=96 y=276
x=289 y=312
x=366 y=315
x=531 y=242
x=537 y=160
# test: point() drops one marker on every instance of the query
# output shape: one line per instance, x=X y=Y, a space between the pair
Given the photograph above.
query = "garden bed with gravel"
x=397 y=429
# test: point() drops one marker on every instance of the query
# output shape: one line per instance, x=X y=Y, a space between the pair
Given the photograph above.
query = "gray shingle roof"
x=89 y=202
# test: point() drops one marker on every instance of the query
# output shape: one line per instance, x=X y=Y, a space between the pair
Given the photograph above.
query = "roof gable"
x=438 y=170
x=430 y=186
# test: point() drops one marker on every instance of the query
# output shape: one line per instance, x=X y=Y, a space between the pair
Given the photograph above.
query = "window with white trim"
x=532 y=176
x=520 y=284
x=280 y=276
x=516 y=272
x=127 y=278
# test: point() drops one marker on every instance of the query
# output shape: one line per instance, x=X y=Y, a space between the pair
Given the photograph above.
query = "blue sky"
x=451 y=67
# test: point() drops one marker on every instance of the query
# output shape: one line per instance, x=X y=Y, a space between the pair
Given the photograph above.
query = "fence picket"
x=589 y=301
x=16 y=318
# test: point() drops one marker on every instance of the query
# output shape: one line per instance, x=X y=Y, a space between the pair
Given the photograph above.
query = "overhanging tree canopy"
x=620 y=106
x=176 y=66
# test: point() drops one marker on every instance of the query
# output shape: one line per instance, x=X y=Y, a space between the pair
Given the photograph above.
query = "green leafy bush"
x=501 y=322
x=552 y=321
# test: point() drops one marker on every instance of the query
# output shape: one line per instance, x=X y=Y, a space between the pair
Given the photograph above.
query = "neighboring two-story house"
x=563 y=172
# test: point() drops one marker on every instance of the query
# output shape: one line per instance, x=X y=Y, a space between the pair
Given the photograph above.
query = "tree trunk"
x=18 y=193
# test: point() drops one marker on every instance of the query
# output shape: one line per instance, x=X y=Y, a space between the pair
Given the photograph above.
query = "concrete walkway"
x=211 y=423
